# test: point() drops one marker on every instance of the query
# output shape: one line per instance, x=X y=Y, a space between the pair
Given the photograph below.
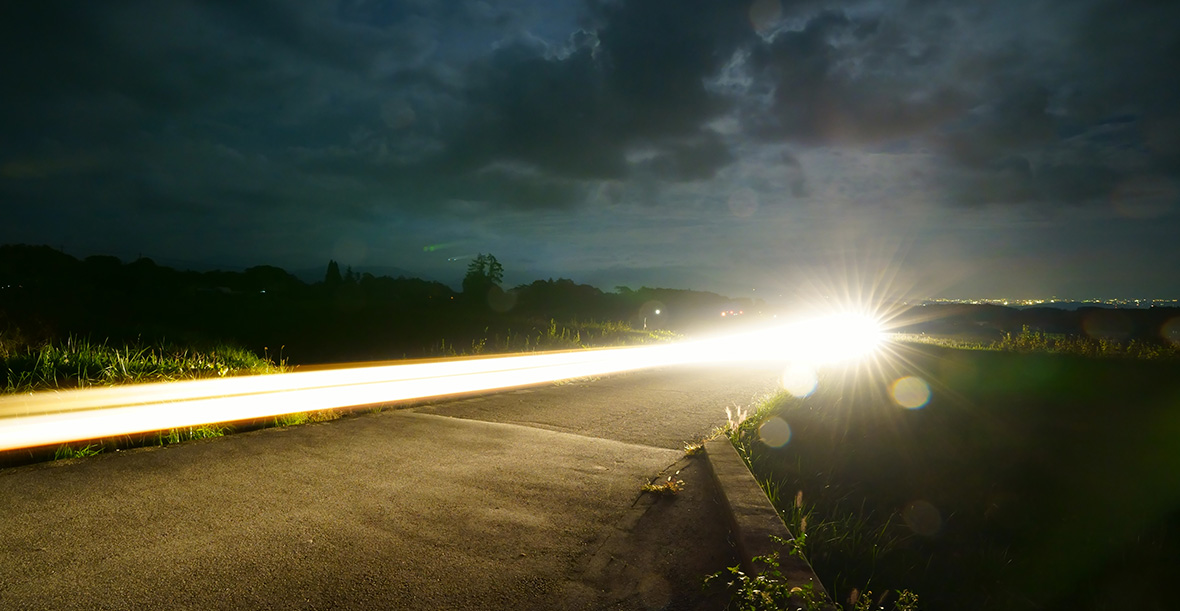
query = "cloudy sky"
x=956 y=149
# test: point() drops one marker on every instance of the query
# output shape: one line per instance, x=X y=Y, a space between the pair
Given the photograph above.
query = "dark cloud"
x=555 y=113
x=635 y=81
x=343 y=92
x=1065 y=124
x=1017 y=119
x=840 y=80
x=225 y=113
x=660 y=52
x=1047 y=103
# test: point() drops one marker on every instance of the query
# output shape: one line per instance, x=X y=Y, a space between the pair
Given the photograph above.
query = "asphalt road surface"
x=524 y=499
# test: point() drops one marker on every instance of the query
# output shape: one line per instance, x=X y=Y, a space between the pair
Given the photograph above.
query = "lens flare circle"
x=910 y=392
x=1170 y=331
x=775 y=432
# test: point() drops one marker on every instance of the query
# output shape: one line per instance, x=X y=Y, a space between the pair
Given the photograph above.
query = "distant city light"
x=1052 y=301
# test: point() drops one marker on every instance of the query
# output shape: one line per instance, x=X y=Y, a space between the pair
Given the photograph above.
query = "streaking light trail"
x=49 y=418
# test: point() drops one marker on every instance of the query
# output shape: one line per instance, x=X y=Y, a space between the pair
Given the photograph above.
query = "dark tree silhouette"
x=483 y=273
x=332 y=278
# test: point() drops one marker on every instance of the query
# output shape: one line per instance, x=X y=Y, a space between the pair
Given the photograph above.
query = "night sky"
x=942 y=149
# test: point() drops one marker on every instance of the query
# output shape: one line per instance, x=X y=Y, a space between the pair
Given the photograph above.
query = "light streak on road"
x=49 y=418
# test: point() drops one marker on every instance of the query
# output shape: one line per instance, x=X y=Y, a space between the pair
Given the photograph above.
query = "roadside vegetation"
x=80 y=363
x=90 y=448
x=1036 y=476
x=770 y=590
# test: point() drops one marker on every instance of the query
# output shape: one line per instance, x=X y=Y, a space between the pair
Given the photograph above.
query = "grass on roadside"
x=324 y=415
x=160 y=438
x=770 y=590
x=190 y=433
x=80 y=363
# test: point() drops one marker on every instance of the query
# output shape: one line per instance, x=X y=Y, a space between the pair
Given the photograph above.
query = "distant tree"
x=483 y=273
x=332 y=279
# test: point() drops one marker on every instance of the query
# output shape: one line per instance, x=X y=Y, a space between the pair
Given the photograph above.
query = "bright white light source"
x=818 y=341
x=841 y=337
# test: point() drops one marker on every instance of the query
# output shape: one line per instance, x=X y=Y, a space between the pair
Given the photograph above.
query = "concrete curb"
x=752 y=517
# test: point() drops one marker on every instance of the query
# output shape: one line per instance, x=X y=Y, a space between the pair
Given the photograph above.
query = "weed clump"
x=670 y=487
x=297 y=418
x=66 y=451
x=769 y=589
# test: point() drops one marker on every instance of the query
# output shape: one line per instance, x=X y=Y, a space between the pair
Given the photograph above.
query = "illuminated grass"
x=325 y=415
x=67 y=451
x=181 y=435
x=669 y=487
x=770 y=590
x=79 y=363
x=189 y=433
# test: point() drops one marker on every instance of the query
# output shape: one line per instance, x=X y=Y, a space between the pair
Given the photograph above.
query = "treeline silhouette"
x=47 y=295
